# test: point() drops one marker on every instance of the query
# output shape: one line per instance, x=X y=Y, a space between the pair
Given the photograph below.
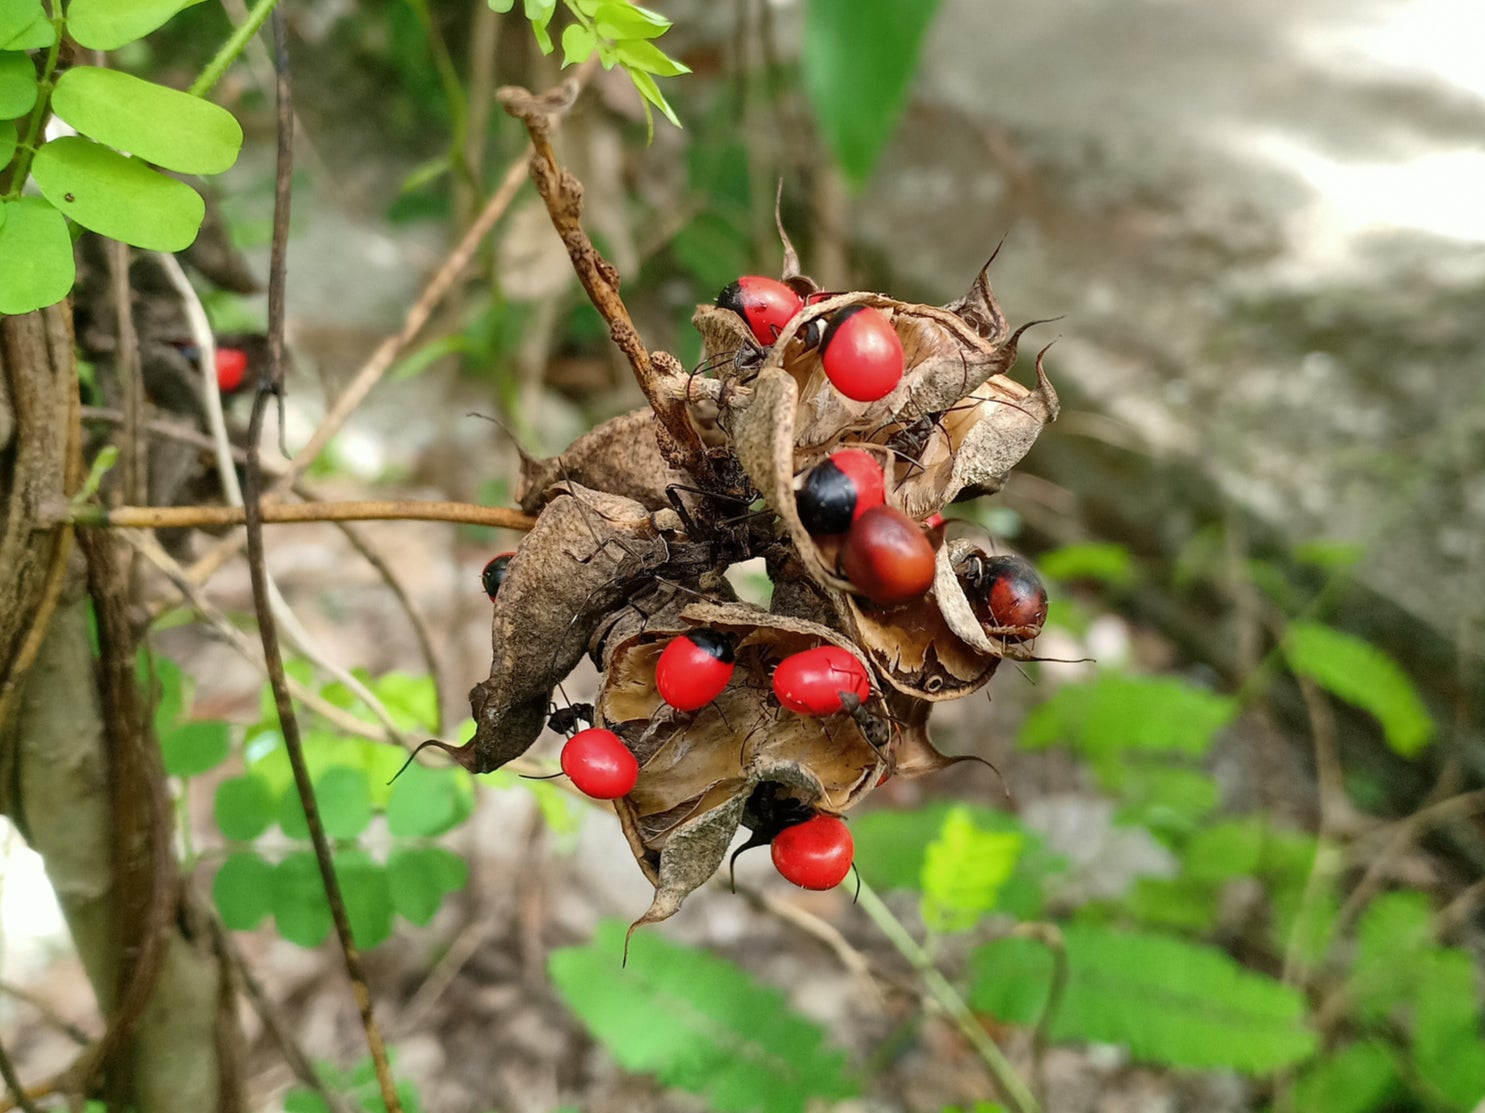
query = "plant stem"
x=181 y=517
x=232 y=48
x=1011 y=1087
x=21 y=169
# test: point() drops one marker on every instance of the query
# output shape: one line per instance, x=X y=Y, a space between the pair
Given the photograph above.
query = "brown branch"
x=563 y=195
x=7 y=1072
x=267 y=626
x=169 y=517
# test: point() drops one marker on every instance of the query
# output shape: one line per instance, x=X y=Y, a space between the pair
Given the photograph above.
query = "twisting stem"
x=1006 y=1079
x=268 y=630
x=563 y=195
x=171 y=517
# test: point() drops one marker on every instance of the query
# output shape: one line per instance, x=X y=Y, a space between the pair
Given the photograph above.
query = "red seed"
x=1009 y=597
x=887 y=558
x=600 y=764
x=838 y=490
x=693 y=669
x=766 y=304
x=231 y=369
x=861 y=354
x=815 y=854
x=811 y=682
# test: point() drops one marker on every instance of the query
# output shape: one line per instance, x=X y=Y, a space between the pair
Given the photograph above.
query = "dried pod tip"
x=766 y=304
x=812 y=682
x=838 y=490
x=694 y=668
x=494 y=574
x=861 y=354
x=1007 y=595
x=599 y=764
x=887 y=557
x=815 y=854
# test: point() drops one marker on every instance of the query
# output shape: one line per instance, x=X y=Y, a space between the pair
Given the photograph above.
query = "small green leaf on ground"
x=39 y=268
x=118 y=197
x=964 y=870
x=160 y=125
x=859 y=60
x=698 y=1023
x=427 y=802
x=368 y=897
x=17 y=85
x=243 y=890
x=421 y=877
x=1362 y=675
x=1168 y=1001
x=1354 y=1079
x=195 y=747
x=244 y=807
x=300 y=911
x=344 y=799
x=1117 y=713
x=110 y=24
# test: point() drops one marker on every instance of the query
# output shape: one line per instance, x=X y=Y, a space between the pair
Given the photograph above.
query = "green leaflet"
x=37 y=250
x=16 y=17
x=1361 y=674
x=964 y=869
x=859 y=59
x=1117 y=713
x=118 y=197
x=1167 y=1000
x=243 y=890
x=698 y=1023
x=160 y=125
x=110 y=24
x=17 y=86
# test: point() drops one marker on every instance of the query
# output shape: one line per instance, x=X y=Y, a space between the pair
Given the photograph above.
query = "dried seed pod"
x=621 y=457
x=698 y=770
x=955 y=561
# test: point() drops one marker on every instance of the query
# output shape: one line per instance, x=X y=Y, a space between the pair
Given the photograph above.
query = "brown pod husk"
x=586 y=553
x=913 y=752
x=916 y=650
x=622 y=457
x=697 y=769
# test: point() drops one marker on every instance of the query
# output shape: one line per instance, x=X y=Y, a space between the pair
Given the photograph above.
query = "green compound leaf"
x=1356 y=1079
x=629 y=21
x=368 y=897
x=39 y=267
x=297 y=899
x=421 y=877
x=577 y=43
x=243 y=890
x=110 y=24
x=698 y=1023
x=291 y=818
x=540 y=13
x=1118 y=713
x=7 y=141
x=160 y=125
x=637 y=54
x=964 y=870
x=1447 y=1049
x=859 y=59
x=427 y=802
x=344 y=797
x=1169 y=1001
x=195 y=747
x=1399 y=923
x=17 y=86
x=244 y=807
x=1362 y=675
x=1105 y=562
x=17 y=19
x=117 y=197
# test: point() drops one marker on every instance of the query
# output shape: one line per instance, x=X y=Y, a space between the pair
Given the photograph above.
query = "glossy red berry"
x=862 y=354
x=600 y=764
x=1008 y=595
x=766 y=304
x=838 y=490
x=693 y=669
x=815 y=854
x=811 y=682
x=887 y=557
x=232 y=364
x=494 y=574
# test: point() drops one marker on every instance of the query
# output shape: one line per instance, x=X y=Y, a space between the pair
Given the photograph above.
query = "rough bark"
x=67 y=759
